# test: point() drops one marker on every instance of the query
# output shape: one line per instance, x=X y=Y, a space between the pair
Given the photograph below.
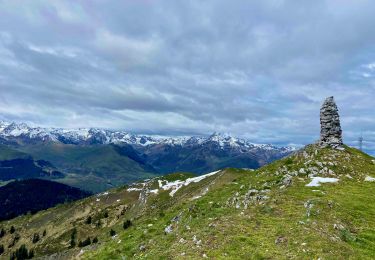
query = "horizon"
x=261 y=73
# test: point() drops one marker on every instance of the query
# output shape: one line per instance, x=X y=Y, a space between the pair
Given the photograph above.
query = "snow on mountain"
x=101 y=136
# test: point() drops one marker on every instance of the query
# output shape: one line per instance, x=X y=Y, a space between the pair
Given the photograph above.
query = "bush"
x=44 y=233
x=347 y=236
x=127 y=224
x=2 y=233
x=14 y=241
x=1 y=249
x=35 y=238
x=106 y=214
x=85 y=242
x=88 y=220
x=99 y=223
x=22 y=253
x=112 y=232
x=73 y=238
x=95 y=240
x=12 y=230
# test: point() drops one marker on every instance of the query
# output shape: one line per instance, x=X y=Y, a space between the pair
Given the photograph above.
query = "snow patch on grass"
x=176 y=185
x=369 y=178
x=316 y=181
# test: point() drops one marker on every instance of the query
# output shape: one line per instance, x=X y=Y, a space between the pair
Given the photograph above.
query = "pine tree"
x=12 y=230
x=95 y=240
x=112 y=232
x=35 y=238
x=15 y=240
x=22 y=253
x=1 y=249
x=2 y=232
x=88 y=220
x=127 y=224
x=85 y=242
x=73 y=238
x=99 y=223
x=44 y=233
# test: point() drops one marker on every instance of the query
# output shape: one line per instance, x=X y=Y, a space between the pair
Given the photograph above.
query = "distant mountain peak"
x=103 y=136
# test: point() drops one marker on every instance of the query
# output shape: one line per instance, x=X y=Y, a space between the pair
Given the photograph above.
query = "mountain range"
x=97 y=159
x=88 y=136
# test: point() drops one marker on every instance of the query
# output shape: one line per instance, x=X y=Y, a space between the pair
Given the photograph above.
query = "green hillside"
x=7 y=153
x=93 y=167
x=238 y=214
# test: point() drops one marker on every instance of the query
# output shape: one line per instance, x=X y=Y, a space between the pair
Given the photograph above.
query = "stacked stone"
x=330 y=131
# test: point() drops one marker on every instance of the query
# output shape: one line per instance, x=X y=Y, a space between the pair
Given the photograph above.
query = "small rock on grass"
x=281 y=240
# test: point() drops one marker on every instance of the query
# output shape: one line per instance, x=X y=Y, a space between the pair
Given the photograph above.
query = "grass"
x=90 y=167
x=209 y=218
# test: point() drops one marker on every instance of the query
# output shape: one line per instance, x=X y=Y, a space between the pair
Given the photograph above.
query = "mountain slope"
x=270 y=213
x=93 y=167
x=7 y=153
x=214 y=153
x=32 y=195
x=237 y=214
x=27 y=169
x=98 y=159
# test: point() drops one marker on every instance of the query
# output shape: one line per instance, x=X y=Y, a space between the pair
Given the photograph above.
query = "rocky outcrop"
x=330 y=129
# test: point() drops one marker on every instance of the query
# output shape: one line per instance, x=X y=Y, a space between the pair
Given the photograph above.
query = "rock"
x=196 y=241
x=338 y=227
x=176 y=218
x=308 y=205
x=142 y=248
x=281 y=240
x=168 y=229
x=330 y=131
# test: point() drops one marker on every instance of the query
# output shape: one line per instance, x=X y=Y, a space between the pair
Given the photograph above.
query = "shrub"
x=85 y=242
x=99 y=223
x=127 y=224
x=347 y=236
x=2 y=233
x=95 y=240
x=14 y=241
x=88 y=220
x=73 y=238
x=22 y=253
x=35 y=238
x=1 y=249
x=12 y=230
x=112 y=232
x=44 y=233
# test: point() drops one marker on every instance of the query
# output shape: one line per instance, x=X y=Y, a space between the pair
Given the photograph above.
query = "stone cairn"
x=330 y=129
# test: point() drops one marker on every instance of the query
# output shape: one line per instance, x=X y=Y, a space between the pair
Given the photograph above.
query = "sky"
x=254 y=69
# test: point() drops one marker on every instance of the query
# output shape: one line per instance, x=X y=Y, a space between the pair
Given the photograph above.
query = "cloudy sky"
x=255 y=69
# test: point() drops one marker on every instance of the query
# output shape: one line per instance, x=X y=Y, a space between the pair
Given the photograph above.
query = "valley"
x=96 y=160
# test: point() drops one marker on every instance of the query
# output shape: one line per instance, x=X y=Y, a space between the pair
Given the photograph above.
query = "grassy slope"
x=7 y=153
x=226 y=231
x=219 y=219
x=90 y=167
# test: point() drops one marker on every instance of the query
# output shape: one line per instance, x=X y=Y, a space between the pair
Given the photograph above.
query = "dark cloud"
x=258 y=69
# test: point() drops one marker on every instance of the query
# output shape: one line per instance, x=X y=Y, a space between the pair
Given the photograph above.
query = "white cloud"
x=258 y=69
x=128 y=52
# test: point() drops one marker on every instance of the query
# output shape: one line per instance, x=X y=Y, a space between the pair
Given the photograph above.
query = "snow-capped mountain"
x=21 y=131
